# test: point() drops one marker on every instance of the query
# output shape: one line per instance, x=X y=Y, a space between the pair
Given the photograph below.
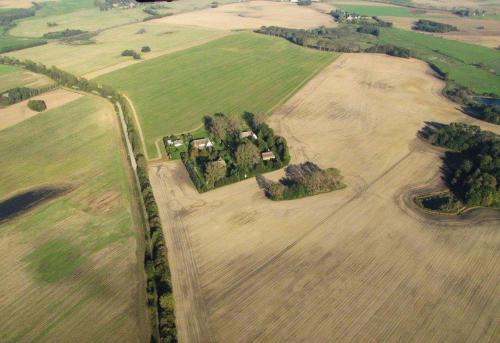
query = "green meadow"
x=470 y=65
x=67 y=259
x=11 y=77
x=241 y=72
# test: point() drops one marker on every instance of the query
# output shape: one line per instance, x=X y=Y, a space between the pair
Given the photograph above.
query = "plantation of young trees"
x=433 y=26
x=303 y=180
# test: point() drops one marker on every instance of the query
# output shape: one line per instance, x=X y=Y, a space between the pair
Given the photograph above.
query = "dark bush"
x=37 y=105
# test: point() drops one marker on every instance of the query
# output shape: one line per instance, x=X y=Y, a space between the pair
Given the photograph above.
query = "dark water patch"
x=487 y=101
x=20 y=203
x=444 y=202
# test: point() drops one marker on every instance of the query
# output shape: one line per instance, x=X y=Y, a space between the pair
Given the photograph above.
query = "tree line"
x=348 y=38
x=63 y=34
x=159 y=286
x=18 y=94
x=433 y=26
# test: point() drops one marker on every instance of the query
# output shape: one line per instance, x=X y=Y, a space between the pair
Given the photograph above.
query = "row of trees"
x=347 y=38
x=433 y=26
x=456 y=136
x=234 y=158
x=303 y=180
x=159 y=286
x=8 y=16
x=63 y=34
x=472 y=170
x=391 y=50
x=132 y=53
x=19 y=94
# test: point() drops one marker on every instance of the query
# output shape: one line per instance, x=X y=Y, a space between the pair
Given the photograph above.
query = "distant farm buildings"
x=176 y=143
x=201 y=144
x=247 y=134
x=268 y=155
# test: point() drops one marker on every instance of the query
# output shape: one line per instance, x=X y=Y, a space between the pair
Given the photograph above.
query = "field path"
x=191 y=312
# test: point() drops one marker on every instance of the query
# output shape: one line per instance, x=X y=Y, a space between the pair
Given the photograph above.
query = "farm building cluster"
x=228 y=150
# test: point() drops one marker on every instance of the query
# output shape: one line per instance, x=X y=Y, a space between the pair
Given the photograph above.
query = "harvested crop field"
x=352 y=265
x=104 y=53
x=72 y=266
x=252 y=15
x=14 y=114
x=474 y=31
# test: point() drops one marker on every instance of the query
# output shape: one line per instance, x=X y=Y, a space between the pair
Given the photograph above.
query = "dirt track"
x=252 y=15
x=349 y=266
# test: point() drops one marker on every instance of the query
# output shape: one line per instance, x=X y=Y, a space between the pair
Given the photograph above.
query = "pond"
x=441 y=202
x=16 y=205
x=487 y=101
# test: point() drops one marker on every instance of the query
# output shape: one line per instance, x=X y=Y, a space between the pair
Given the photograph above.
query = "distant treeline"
x=63 y=34
x=342 y=39
x=467 y=12
x=159 y=286
x=7 y=17
x=472 y=170
x=433 y=26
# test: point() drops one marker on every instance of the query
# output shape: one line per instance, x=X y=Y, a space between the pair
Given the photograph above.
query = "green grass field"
x=460 y=60
x=82 y=59
x=9 y=43
x=391 y=11
x=242 y=72
x=90 y=19
x=70 y=269
x=11 y=77
x=5 y=70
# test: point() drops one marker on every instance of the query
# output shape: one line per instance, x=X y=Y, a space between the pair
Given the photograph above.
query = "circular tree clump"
x=146 y=49
x=37 y=105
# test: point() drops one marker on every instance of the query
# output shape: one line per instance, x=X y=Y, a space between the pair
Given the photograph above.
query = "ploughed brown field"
x=356 y=265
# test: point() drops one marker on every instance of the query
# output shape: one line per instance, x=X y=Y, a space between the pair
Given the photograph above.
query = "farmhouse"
x=176 y=143
x=268 y=155
x=201 y=144
x=246 y=134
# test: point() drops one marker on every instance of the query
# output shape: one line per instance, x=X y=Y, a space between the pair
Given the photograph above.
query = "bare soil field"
x=252 y=15
x=349 y=266
x=475 y=31
x=14 y=114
